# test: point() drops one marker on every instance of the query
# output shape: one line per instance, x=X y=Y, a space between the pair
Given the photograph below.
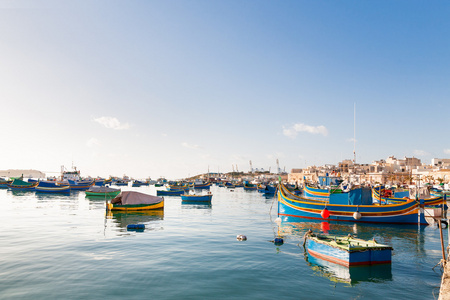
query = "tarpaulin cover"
x=134 y=198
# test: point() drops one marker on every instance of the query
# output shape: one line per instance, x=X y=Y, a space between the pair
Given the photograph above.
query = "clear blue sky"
x=168 y=88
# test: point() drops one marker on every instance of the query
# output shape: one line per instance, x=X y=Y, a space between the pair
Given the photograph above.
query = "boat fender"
x=325 y=213
x=241 y=237
x=356 y=215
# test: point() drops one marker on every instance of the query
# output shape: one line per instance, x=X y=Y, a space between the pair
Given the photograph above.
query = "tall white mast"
x=354 y=133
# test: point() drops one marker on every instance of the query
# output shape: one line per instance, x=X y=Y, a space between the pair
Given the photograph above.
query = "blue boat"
x=202 y=186
x=319 y=192
x=356 y=207
x=250 y=187
x=347 y=250
x=80 y=184
x=52 y=187
x=197 y=198
x=169 y=193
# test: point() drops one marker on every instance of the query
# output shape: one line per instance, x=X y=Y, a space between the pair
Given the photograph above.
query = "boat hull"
x=169 y=193
x=196 y=198
x=403 y=213
x=348 y=258
x=137 y=207
x=60 y=189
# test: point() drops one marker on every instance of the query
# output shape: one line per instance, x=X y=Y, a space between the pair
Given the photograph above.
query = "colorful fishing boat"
x=357 y=207
x=320 y=193
x=18 y=184
x=169 y=193
x=250 y=187
x=202 y=186
x=52 y=187
x=138 y=183
x=102 y=191
x=347 y=251
x=80 y=184
x=134 y=201
x=196 y=198
x=382 y=195
x=4 y=183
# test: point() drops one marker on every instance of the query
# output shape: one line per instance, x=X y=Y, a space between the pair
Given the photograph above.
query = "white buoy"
x=356 y=215
x=241 y=237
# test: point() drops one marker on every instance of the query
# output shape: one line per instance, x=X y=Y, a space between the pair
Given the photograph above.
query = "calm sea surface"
x=67 y=247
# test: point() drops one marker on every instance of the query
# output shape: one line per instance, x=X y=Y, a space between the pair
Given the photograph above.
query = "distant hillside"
x=25 y=173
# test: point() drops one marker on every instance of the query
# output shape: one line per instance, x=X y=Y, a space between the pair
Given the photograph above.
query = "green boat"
x=102 y=191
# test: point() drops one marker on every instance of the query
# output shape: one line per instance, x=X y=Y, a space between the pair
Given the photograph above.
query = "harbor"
x=67 y=241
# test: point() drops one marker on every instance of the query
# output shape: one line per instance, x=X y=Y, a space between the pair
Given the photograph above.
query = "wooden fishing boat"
x=250 y=187
x=382 y=195
x=320 y=193
x=52 y=187
x=4 y=183
x=169 y=193
x=358 y=207
x=18 y=184
x=196 y=198
x=202 y=186
x=80 y=184
x=134 y=201
x=178 y=187
x=102 y=191
x=347 y=250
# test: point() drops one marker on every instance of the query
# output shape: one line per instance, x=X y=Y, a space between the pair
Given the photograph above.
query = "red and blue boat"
x=356 y=207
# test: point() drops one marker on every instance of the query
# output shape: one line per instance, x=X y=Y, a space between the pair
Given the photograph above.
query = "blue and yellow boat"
x=197 y=198
x=52 y=187
x=382 y=195
x=357 y=207
x=320 y=193
x=169 y=193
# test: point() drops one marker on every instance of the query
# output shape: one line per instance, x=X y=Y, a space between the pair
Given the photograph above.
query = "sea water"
x=68 y=247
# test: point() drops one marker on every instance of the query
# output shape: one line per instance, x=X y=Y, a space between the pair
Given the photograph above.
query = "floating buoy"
x=135 y=226
x=241 y=237
x=356 y=215
x=278 y=241
x=325 y=213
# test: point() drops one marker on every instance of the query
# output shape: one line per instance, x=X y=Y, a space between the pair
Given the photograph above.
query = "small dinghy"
x=347 y=250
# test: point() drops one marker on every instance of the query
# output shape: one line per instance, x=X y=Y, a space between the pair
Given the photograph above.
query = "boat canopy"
x=134 y=198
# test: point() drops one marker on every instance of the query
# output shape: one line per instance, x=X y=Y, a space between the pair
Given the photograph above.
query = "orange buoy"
x=325 y=213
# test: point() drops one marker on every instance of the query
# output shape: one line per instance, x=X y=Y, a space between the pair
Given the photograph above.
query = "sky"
x=177 y=88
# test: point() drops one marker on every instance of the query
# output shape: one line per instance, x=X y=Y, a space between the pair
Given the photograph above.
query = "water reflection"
x=350 y=275
x=196 y=205
x=149 y=218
